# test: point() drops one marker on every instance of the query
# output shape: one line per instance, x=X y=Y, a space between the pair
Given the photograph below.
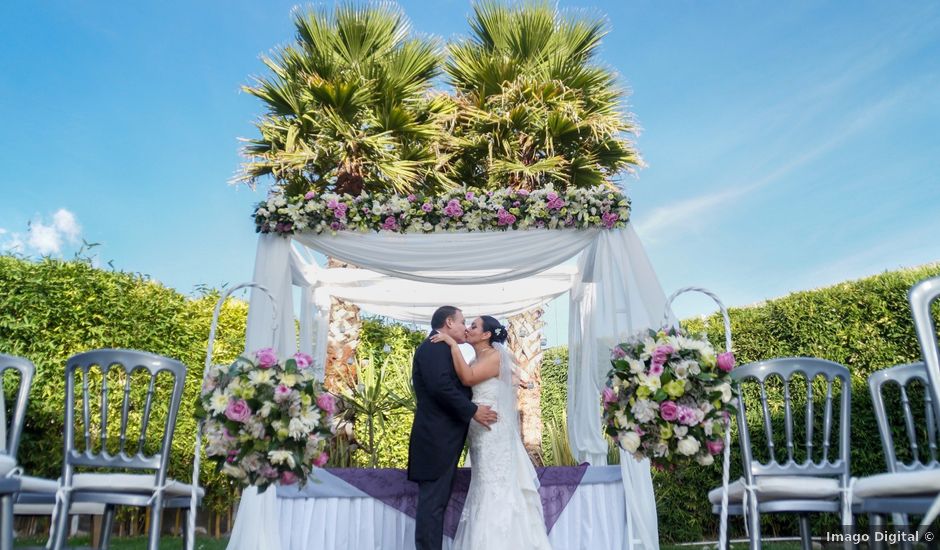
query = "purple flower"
x=412 y=197
x=332 y=204
x=516 y=203
x=336 y=226
x=504 y=217
x=281 y=393
x=427 y=207
x=303 y=360
x=618 y=353
x=668 y=410
x=569 y=221
x=656 y=369
x=268 y=471
x=551 y=196
x=687 y=415
x=310 y=195
x=327 y=402
x=726 y=361
x=390 y=224
x=238 y=410
x=288 y=478
x=453 y=209
x=469 y=195
x=321 y=459
x=661 y=354
x=715 y=446
x=610 y=219
x=523 y=192
x=610 y=396
x=266 y=357
x=340 y=211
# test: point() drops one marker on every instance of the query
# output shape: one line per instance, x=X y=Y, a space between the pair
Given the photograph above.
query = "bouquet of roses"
x=266 y=420
x=669 y=397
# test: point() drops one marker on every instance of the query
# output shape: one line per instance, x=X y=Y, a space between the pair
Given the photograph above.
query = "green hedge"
x=51 y=310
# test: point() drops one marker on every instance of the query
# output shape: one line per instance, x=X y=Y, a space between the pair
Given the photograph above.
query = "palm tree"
x=347 y=105
x=532 y=104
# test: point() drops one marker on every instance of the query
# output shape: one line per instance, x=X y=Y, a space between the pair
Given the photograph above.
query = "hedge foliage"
x=51 y=310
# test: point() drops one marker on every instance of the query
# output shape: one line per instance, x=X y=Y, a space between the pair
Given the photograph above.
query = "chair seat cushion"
x=781 y=488
x=77 y=508
x=129 y=483
x=924 y=482
x=7 y=463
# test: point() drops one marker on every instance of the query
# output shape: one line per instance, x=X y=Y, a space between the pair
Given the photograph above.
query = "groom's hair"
x=441 y=315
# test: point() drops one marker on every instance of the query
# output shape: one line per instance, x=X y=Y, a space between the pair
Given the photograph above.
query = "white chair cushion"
x=78 y=508
x=897 y=484
x=129 y=483
x=781 y=488
x=7 y=463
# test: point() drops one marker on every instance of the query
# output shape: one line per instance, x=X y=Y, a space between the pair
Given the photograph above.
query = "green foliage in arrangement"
x=51 y=310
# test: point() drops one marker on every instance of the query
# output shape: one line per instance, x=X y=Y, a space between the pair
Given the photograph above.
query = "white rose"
x=644 y=410
x=680 y=431
x=694 y=368
x=725 y=390
x=689 y=446
x=630 y=441
x=705 y=459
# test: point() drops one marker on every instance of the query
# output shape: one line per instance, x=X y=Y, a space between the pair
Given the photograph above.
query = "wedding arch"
x=499 y=271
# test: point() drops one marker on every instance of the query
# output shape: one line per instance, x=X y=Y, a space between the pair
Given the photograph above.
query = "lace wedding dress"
x=503 y=510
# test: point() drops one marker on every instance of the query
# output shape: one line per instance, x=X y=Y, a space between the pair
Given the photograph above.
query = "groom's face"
x=457 y=327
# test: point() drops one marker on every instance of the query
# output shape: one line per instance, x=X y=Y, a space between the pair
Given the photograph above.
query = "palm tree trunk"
x=343 y=339
x=525 y=342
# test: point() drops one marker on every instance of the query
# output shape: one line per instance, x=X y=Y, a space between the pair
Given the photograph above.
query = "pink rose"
x=715 y=446
x=321 y=459
x=427 y=207
x=668 y=410
x=303 y=360
x=661 y=354
x=610 y=396
x=238 y=410
x=288 y=478
x=610 y=219
x=310 y=195
x=266 y=357
x=687 y=415
x=726 y=361
x=412 y=197
x=327 y=402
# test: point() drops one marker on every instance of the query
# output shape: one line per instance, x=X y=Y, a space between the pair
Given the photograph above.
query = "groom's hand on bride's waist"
x=485 y=416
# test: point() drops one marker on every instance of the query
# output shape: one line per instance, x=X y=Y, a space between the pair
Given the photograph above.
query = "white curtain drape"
x=454 y=258
x=614 y=292
x=617 y=295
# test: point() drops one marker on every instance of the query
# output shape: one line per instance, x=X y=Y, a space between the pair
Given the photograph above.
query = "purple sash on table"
x=557 y=485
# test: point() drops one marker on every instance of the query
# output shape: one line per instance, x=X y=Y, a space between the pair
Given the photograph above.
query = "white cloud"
x=44 y=238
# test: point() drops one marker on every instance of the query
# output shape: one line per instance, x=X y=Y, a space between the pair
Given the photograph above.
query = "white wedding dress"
x=503 y=510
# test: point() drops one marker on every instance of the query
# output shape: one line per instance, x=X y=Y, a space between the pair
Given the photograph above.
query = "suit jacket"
x=442 y=415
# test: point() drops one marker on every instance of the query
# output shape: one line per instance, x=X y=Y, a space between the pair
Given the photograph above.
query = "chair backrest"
x=13 y=429
x=920 y=297
x=124 y=367
x=903 y=376
x=816 y=446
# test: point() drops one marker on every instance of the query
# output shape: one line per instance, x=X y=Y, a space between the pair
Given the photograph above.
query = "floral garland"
x=462 y=209
x=668 y=398
x=266 y=420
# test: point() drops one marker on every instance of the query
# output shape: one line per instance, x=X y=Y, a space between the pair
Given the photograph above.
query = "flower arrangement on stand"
x=266 y=420
x=669 y=397
x=464 y=209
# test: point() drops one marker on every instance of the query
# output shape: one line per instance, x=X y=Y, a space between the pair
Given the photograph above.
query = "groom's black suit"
x=442 y=418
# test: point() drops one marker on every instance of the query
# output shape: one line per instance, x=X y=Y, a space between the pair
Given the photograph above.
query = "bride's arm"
x=485 y=367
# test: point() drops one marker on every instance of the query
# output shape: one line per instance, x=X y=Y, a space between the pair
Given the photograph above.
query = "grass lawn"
x=134 y=543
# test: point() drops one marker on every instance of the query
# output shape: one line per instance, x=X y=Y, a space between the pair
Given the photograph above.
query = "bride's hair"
x=498 y=332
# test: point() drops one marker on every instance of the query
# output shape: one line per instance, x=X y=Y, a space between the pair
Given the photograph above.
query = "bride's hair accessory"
x=498 y=332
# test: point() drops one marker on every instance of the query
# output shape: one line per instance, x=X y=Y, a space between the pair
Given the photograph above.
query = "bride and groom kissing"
x=456 y=400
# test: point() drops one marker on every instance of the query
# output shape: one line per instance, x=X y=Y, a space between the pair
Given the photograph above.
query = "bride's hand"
x=440 y=337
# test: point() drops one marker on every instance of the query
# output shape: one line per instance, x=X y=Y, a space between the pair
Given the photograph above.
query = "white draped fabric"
x=595 y=517
x=614 y=292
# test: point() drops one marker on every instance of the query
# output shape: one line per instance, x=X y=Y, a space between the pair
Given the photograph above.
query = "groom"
x=442 y=418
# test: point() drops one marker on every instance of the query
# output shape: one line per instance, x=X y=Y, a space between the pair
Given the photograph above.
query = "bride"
x=503 y=510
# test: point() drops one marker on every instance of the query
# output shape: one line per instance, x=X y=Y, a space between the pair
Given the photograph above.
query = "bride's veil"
x=508 y=412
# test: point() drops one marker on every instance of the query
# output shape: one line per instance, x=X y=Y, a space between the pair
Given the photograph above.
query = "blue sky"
x=789 y=145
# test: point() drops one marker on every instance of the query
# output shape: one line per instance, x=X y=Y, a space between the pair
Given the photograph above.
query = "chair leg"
x=806 y=539
x=6 y=522
x=753 y=525
x=876 y=523
x=107 y=525
x=60 y=527
x=156 y=515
